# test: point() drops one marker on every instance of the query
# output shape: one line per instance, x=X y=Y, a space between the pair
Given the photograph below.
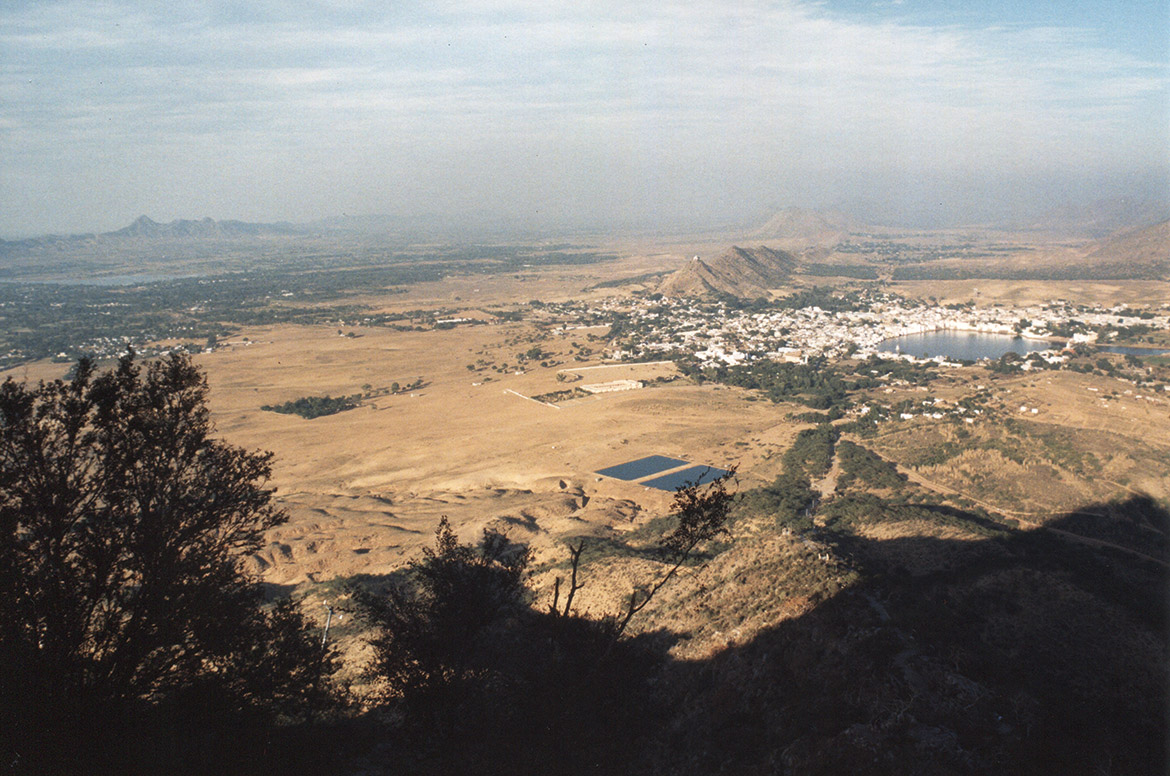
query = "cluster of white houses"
x=717 y=335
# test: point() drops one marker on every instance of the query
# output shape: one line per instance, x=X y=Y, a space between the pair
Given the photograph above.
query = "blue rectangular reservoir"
x=693 y=475
x=643 y=467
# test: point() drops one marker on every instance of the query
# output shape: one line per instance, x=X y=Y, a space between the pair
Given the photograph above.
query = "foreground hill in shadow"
x=1019 y=653
x=1023 y=654
x=999 y=651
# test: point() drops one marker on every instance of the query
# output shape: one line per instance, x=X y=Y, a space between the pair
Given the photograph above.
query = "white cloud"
x=623 y=87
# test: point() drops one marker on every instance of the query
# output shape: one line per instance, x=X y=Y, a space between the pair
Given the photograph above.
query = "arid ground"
x=365 y=488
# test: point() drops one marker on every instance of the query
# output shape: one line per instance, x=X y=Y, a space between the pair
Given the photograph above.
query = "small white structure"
x=612 y=386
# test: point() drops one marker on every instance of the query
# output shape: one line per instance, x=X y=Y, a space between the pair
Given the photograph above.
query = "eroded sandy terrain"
x=365 y=488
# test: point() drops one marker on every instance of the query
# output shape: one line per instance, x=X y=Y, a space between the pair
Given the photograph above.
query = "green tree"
x=122 y=526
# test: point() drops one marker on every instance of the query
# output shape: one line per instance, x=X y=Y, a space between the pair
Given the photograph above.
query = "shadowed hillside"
x=987 y=651
x=1019 y=652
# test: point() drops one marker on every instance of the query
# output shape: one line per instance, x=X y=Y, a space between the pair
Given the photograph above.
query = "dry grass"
x=1089 y=441
x=365 y=488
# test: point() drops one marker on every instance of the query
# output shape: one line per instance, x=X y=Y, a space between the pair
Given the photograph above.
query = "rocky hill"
x=742 y=272
x=803 y=225
x=1146 y=248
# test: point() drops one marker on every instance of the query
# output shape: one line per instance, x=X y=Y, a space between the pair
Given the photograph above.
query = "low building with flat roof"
x=612 y=386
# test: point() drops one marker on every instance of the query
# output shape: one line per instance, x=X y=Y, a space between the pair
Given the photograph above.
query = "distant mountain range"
x=204 y=228
x=145 y=228
x=192 y=232
x=742 y=272
x=1104 y=217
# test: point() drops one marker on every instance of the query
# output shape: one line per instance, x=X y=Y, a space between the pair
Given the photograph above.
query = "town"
x=855 y=324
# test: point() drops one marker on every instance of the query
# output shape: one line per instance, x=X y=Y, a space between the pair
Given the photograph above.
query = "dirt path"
x=917 y=478
x=827 y=485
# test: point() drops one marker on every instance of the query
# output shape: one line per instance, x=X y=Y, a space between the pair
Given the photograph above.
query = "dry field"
x=1037 y=292
x=366 y=488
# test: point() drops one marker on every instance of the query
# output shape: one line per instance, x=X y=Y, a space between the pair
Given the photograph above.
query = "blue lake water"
x=961 y=345
x=694 y=475
x=643 y=467
x=1128 y=351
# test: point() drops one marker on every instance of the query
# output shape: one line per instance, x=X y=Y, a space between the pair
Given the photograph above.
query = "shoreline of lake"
x=962 y=344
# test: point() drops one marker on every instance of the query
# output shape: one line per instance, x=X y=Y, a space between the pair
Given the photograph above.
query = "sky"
x=585 y=114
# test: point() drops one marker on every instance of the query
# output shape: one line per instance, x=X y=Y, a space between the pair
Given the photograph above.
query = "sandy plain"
x=365 y=488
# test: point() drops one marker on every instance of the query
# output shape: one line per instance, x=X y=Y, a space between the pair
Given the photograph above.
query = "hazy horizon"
x=599 y=115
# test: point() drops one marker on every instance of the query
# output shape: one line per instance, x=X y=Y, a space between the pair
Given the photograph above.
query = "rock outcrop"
x=741 y=272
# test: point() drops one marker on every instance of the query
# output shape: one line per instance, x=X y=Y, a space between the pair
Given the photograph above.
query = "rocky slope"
x=742 y=272
x=1143 y=248
x=805 y=226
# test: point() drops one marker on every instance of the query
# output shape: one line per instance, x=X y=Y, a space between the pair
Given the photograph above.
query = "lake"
x=961 y=345
x=1128 y=351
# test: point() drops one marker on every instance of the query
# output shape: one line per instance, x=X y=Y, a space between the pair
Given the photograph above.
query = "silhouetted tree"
x=432 y=625
x=482 y=681
x=701 y=513
x=122 y=526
